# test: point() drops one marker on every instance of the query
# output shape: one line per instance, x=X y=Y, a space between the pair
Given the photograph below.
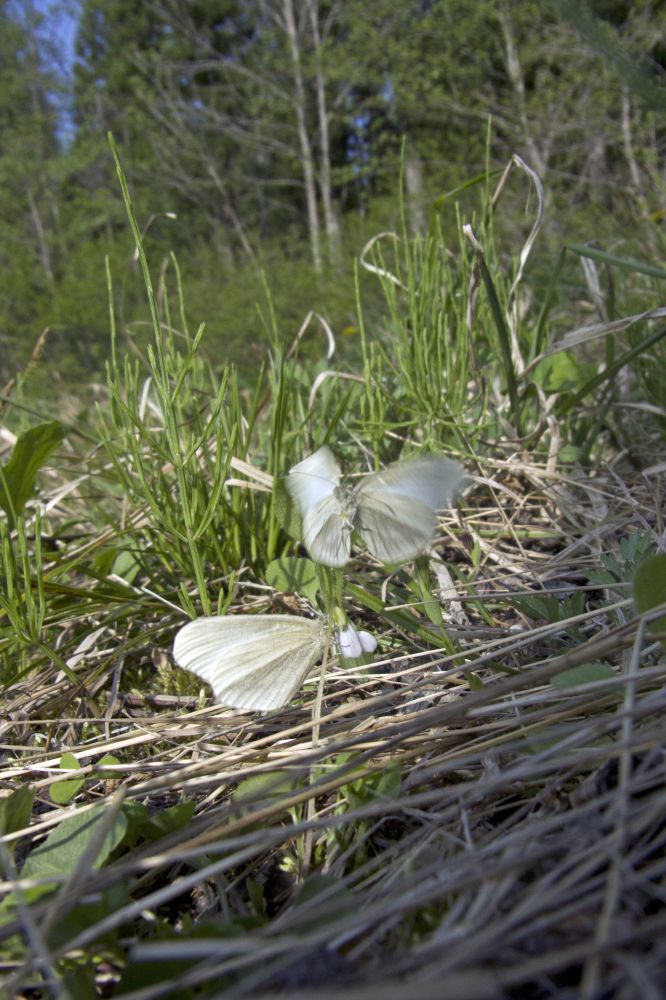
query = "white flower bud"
x=352 y=644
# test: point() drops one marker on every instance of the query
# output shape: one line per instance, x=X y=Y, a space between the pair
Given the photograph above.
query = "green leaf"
x=290 y=574
x=85 y=915
x=169 y=820
x=623 y=263
x=286 y=513
x=383 y=784
x=586 y=673
x=61 y=851
x=17 y=477
x=63 y=792
x=650 y=589
x=15 y=812
x=137 y=817
x=143 y=974
x=161 y=972
x=126 y=566
x=255 y=893
x=430 y=605
x=100 y=772
x=262 y=787
x=79 y=983
x=390 y=782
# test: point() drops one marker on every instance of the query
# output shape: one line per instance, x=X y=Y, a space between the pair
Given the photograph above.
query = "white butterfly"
x=394 y=511
x=253 y=662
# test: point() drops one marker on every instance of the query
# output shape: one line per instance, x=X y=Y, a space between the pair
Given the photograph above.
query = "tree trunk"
x=331 y=222
x=307 y=160
x=414 y=189
x=515 y=73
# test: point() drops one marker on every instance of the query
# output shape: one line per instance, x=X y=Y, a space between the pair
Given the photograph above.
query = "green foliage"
x=15 y=811
x=18 y=475
x=261 y=788
x=635 y=71
x=61 y=853
x=189 y=157
x=168 y=821
x=292 y=575
x=550 y=607
x=586 y=673
x=63 y=792
x=649 y=587
x=338 y=902
x=622 y=567
x=22 y=598
x=385 y=784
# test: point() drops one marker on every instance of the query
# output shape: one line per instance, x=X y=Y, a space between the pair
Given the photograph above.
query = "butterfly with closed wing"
x=252 y=662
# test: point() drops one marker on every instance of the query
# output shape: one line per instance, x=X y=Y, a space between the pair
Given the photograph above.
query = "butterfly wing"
x=313 y=485
x=427 y=478
x=313 y=480
x=256 y=662
x=396 y=509
x=327 y=532
x=395 y=528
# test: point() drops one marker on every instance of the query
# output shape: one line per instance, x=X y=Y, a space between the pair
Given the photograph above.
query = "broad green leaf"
x=383 y=784
x=262 y=787
x=390 y=782
x=650 y=588
x=15 y=812
x=562 y=372
x=17 y=477
x=157 y=974
x=286 y=513
x=586 y=673
x=290 y=574
x=104 y=561
x=169 y=820
x=63 y=792
x=85 y=915
x=61 y=851
x=137 y=817
x=100 y=771
x=126 y=566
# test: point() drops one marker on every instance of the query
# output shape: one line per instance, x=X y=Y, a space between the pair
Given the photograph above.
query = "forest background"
x=267 y=140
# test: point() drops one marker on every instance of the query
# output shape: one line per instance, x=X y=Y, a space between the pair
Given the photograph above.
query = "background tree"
x=29 y=228
x=274 y=131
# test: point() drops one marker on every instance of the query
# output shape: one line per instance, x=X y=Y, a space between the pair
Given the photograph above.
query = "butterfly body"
x=394 y=511
x=328 y=526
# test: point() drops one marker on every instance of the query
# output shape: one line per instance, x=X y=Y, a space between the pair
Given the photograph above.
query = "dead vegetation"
x=486 y=822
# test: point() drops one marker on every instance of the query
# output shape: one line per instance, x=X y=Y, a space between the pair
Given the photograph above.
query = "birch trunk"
x=307 y=159
x=331 y=221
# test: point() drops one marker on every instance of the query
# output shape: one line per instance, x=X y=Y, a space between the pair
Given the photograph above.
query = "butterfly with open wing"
x=394 y=510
